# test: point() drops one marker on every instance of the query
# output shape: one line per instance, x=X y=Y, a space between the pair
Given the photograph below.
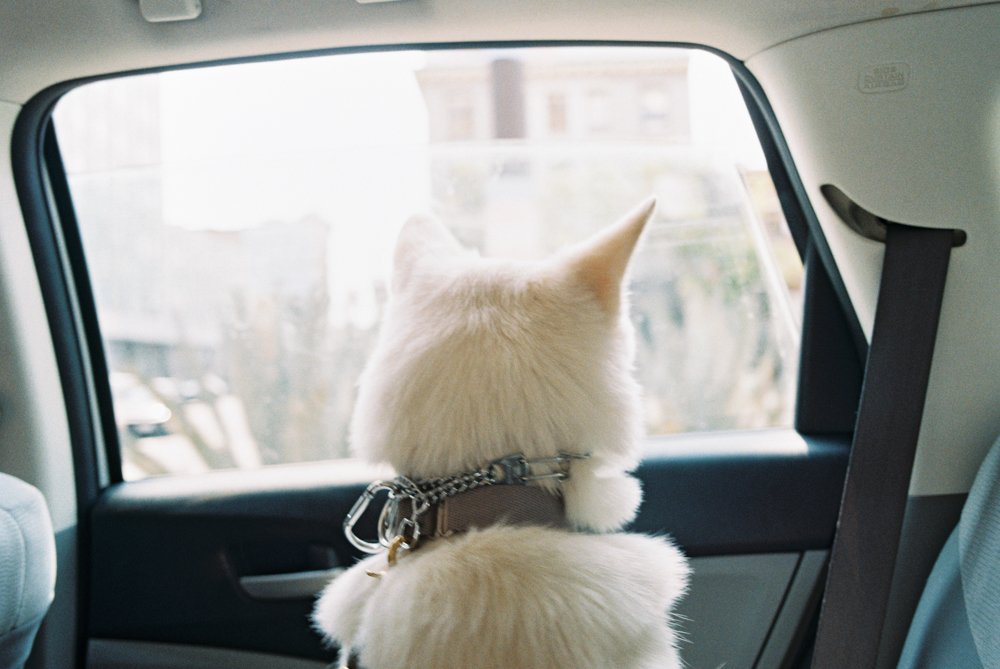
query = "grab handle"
x=296 y=585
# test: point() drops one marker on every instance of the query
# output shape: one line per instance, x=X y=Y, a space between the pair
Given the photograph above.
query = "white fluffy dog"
x=479 y=359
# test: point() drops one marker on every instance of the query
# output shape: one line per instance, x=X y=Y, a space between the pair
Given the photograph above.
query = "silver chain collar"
x=394 y=522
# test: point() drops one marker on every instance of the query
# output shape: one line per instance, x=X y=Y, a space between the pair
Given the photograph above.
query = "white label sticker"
x=884 y=78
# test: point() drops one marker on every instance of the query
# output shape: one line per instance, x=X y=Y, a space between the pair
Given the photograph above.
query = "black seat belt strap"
x=885 y=439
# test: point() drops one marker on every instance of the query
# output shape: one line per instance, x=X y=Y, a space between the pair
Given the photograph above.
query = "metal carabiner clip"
x=393 y=523
x=358 y=510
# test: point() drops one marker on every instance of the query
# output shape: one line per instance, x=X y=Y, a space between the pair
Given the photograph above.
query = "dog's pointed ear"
x=600 y=262
x=422 y=241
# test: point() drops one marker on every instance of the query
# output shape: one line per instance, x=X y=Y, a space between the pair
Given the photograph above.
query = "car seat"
x=27 y=568
x=957 y=622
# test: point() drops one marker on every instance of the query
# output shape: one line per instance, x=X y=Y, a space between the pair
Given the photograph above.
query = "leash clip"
x=356 y=512
x=393 y=524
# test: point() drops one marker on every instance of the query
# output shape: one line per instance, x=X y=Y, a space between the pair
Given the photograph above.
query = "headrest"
x=27 y=567
x=979 y=556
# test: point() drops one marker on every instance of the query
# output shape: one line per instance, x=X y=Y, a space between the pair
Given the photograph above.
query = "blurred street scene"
x=238 y=224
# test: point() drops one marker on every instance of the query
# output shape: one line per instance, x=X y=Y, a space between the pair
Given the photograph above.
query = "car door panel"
x=734 y=601
x=168 y=555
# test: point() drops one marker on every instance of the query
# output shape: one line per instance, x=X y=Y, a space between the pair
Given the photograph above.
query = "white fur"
x=477 y=359
x=513 y=597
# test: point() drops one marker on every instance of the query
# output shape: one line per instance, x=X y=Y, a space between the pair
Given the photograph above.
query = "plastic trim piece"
x=725 y=619
x=765 y=491
x=831 y=368
x=788 y=633
x=28 y=146
x=288 y=586
x=125 y=654
x=162 y=11
x=792 y=191
x=865 y=223
x=31 y=137
x=93 y=342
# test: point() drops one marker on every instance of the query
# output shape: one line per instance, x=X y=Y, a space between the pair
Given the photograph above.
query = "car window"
x=238 y=222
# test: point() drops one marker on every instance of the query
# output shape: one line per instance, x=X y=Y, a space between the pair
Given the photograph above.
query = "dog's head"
x=480 y=358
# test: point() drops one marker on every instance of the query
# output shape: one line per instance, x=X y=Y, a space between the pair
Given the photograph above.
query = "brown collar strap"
x=493 y=505
x=412 y=507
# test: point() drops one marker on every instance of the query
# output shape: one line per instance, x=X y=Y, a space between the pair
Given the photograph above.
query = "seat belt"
x=864 y=549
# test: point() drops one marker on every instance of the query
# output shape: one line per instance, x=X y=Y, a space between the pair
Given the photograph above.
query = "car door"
x=211 y=450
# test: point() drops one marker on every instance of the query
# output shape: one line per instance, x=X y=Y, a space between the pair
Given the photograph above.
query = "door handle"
x=297 y=585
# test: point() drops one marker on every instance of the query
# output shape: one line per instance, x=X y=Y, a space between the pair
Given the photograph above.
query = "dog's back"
x=514 y=597
x=478 y=359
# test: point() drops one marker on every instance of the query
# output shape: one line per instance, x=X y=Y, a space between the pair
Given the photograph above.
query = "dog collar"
x=444 y=505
